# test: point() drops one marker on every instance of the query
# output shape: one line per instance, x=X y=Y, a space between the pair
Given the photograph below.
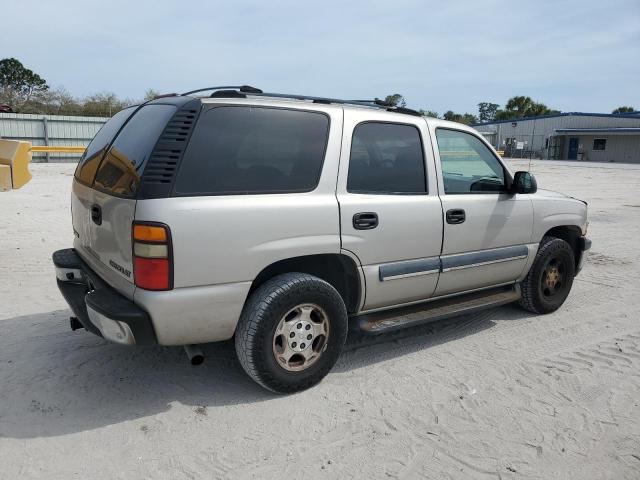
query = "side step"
x=404 y=317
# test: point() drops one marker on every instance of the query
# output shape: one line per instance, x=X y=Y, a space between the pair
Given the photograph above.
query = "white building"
x=594 y=137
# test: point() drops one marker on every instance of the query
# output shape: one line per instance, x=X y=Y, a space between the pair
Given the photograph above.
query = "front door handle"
x=456 y=216
x=96 y=214
x=365 y=220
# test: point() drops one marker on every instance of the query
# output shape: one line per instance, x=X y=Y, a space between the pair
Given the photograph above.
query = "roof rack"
x=376 y=101
x=243 y=90
x=390 y=107
x=313 y=99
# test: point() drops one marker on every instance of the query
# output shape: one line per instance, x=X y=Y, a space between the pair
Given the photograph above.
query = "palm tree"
x=522 y=107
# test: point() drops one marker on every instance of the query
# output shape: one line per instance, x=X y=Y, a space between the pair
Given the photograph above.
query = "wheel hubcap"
x=553 y=277
x=301 y=337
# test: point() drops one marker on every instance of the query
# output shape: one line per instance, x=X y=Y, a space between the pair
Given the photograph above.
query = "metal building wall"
x=536 y=131
x=619 y=148
x=50 y=130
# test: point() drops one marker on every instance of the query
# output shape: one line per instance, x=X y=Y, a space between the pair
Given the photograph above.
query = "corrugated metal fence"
x=50 y=130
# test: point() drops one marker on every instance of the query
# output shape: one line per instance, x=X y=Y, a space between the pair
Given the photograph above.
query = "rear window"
x=86 y=170
x=249 y=150
x=120 y=171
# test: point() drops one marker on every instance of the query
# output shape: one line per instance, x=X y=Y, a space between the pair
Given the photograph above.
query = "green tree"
x=469 y=119
x=18 y=84
x=429 y=113
x=466 y=118
x=522 y=107
x=396 y=100
x=487 y=111
x=624 y=110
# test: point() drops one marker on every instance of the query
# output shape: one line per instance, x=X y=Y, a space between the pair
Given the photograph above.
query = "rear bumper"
x=101 y=310
x=584 y=245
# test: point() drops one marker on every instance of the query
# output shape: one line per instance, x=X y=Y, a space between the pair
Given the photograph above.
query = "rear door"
x=390 y=213
x=103 y=198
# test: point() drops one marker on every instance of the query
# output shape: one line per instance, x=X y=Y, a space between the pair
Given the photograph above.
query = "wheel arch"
x=339 y=270
x=571 y=235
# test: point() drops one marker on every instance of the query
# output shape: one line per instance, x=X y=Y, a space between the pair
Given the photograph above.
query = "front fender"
x=557 y=212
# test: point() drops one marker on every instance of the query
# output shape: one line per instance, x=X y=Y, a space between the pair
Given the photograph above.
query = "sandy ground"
x=500 y=394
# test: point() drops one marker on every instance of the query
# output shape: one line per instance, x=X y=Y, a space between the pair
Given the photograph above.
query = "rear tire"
x=291 y=332
x=548 y=283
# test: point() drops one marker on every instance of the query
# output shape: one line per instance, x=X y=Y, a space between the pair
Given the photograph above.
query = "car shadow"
x=54 y=381
x=363 y=350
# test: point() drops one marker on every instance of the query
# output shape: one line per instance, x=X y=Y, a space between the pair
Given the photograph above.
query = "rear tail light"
x=152 y=256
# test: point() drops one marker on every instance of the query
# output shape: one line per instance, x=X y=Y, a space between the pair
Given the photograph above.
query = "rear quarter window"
x=251 y=150
x=120 y=171
x=88 y=165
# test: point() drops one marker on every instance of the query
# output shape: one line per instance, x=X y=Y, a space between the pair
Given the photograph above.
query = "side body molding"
x=411 y=268
x=483 y=257
x=446 y=263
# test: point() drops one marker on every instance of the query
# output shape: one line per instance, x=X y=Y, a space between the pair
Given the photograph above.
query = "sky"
x=446 y=55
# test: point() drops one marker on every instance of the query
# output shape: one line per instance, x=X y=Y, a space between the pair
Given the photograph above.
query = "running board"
x=404 y=317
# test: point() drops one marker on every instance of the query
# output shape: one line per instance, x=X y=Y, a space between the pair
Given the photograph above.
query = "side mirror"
x=524 y=182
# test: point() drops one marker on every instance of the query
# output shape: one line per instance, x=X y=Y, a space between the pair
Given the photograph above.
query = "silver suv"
x=281 y=220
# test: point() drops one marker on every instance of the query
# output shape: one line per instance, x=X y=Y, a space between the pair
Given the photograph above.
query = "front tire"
x=548 y=283
x=291 y=332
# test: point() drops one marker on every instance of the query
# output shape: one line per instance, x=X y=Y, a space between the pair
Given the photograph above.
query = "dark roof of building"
x=635 y=115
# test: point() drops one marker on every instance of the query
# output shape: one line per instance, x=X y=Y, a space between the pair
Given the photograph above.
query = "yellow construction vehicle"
x=15 y=156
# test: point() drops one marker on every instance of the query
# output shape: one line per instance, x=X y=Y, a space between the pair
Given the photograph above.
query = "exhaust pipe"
x=196 y=357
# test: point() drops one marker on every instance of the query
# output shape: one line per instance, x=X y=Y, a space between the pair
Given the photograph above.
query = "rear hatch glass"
x=103 y=199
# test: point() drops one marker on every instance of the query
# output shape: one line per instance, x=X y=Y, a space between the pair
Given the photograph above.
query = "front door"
x=486 y=229
x=573 y=148
x=390 y=213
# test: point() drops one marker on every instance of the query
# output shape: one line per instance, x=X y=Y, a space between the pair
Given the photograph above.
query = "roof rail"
x=325 y=100
x=390 y=107
x=376 y=101
x=235 y=91
x=242 y=88
x=406 y=111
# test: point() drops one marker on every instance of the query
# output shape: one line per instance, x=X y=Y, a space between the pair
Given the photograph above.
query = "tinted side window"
x=119 y=173
x=468 y=166
x=89 y=162
x=244 y=150
x=386 y=158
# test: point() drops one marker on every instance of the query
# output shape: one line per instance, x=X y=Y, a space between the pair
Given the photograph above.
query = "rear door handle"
x=456 y=216
x=96 y=214
x=365 y=220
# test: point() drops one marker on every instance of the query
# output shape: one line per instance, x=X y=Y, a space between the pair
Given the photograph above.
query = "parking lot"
x=497 y=394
